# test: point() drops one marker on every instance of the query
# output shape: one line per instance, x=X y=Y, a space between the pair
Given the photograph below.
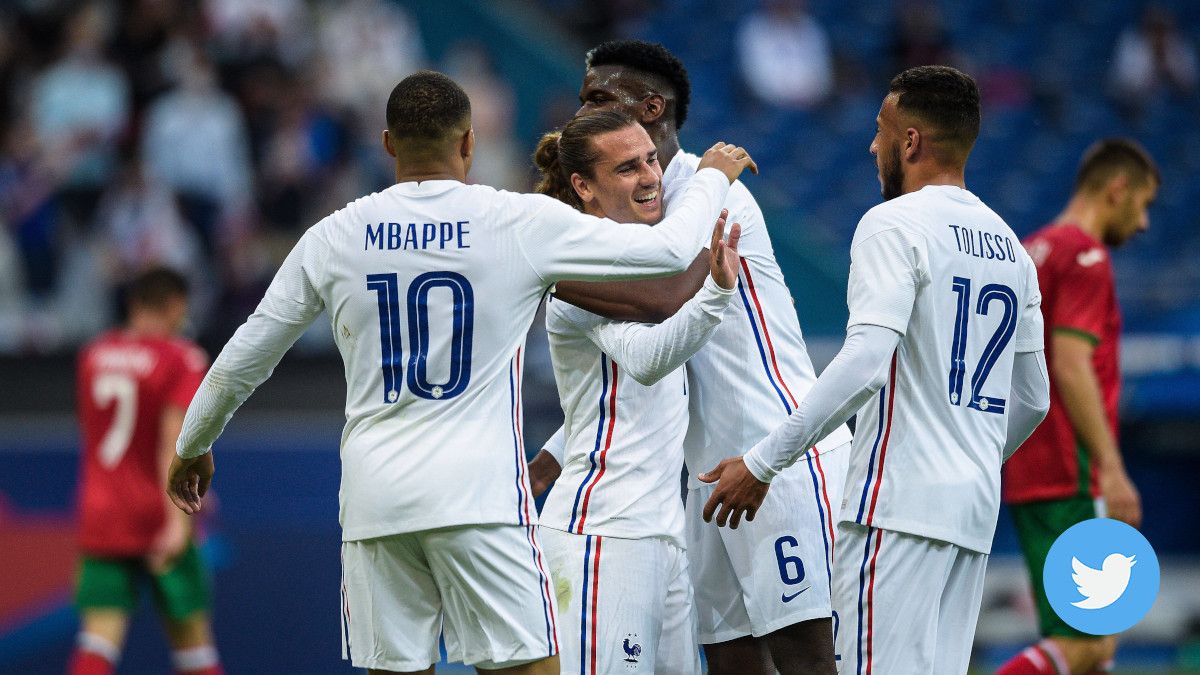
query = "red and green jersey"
x=124 y=383
x=1078 y=296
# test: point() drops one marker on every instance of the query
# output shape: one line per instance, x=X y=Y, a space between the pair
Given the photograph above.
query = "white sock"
x=194 y=658
x=94 y=644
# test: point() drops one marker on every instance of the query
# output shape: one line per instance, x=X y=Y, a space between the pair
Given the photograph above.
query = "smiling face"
x=626 y=180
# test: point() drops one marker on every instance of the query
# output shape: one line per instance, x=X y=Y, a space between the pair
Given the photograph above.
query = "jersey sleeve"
x=887 y=268
x=562 y=243
x=1031 y=330
x=248 y=359
x=189 y=373
x=649 y=352
x=1077 y=308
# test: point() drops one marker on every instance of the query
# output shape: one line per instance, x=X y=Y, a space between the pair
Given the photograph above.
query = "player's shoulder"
x=888 y=215
x=1065 y=246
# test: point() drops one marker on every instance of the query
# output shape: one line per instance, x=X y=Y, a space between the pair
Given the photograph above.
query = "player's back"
x=124 y=384
x=928 y=450
x=429 y=295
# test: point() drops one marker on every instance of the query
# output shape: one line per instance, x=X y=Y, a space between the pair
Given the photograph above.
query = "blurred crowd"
x=203 y=134
x=207 y=134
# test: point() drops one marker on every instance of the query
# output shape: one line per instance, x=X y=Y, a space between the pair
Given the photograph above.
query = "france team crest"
x=1101 y=576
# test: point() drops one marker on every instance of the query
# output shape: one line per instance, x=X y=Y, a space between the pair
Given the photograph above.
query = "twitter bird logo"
x=1118 y=582
x=1101 y=588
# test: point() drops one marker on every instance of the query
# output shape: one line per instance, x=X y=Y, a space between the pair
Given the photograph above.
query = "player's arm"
x=645 y=301
x=1028 y=399
x=1079 y=390
x=886 y=270
x=1077 y=322
x=547 y=465
x=291 y=303
x=649 y=352
x=561 y=243
x=171 y=541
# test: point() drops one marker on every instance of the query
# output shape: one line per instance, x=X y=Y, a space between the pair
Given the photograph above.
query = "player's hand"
x=723 y=260
x=170 y=543
x=1121 y=498
x=543 y=471
x=188 y=481
x=730 y=160
x=738 y=492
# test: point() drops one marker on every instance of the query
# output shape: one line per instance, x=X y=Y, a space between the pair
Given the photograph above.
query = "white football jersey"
x=754 y=370
x=430 y=289
x=624 y=395
x=943 y=270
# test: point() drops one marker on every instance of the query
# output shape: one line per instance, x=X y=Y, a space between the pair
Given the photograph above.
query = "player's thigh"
x=958 y=612
x=720 y=609
x=678 y=650
x=614 y=598
x=391 y=606
x=496 y=592
x=1038 y=526
x=108 y=583
x=886 y=592
x=183 y=590
x=784 y=557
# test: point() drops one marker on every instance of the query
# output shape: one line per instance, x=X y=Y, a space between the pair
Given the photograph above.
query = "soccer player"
x=762 y=591
x=613 y=525
x=943 y=362
x=1070 y=469
x=133 y=386
x=430 y=286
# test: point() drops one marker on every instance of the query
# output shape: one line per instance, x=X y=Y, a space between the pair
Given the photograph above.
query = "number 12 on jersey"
x=387 y=290
x=995 y=346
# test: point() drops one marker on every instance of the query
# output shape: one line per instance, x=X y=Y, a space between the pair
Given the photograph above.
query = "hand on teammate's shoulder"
x=729 y=159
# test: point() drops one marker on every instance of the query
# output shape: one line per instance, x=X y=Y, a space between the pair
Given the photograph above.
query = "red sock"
x=1031 y=661
x=89 y=663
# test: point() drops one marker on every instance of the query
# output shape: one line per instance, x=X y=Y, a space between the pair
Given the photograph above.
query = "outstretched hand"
x=188 y=481
x=738 y=492
x=723 y=261
x=730 y=160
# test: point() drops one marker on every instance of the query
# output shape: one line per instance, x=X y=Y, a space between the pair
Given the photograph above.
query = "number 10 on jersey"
x=387 y=290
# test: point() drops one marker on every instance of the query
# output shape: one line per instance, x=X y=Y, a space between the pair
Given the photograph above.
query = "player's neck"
x=668 y=147
x=147 y=325
x=920 y=176
x=1085 y=214
x=417 y=172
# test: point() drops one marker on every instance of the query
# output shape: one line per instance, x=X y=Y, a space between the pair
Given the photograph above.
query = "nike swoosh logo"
x=788 y=598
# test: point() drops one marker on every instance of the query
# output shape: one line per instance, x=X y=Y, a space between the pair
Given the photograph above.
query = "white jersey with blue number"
x=430 y=289
x=943 y=270
x=754 y=370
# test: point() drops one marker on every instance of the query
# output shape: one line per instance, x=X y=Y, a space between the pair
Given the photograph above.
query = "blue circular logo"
x=1101 y=576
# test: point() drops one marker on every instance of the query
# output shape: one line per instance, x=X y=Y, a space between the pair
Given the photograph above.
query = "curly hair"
x=570 y=151
x=426 y=105
x=648 y=57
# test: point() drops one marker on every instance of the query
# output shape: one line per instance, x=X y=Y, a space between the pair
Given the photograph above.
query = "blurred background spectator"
x=1151 y=60
x=785 y=55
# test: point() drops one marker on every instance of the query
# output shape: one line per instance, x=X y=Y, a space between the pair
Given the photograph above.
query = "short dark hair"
x=155 y=287
x=945 y=97
x=648 y=57
x=1109 y=157
x=426 y=105
x=571 y=151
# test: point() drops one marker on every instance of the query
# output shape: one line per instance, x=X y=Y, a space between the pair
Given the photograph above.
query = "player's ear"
x=654 y=107
x=912 y=143
x=387 y=143
x=1117 y=189
x=581 y=187
x=466 y=147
